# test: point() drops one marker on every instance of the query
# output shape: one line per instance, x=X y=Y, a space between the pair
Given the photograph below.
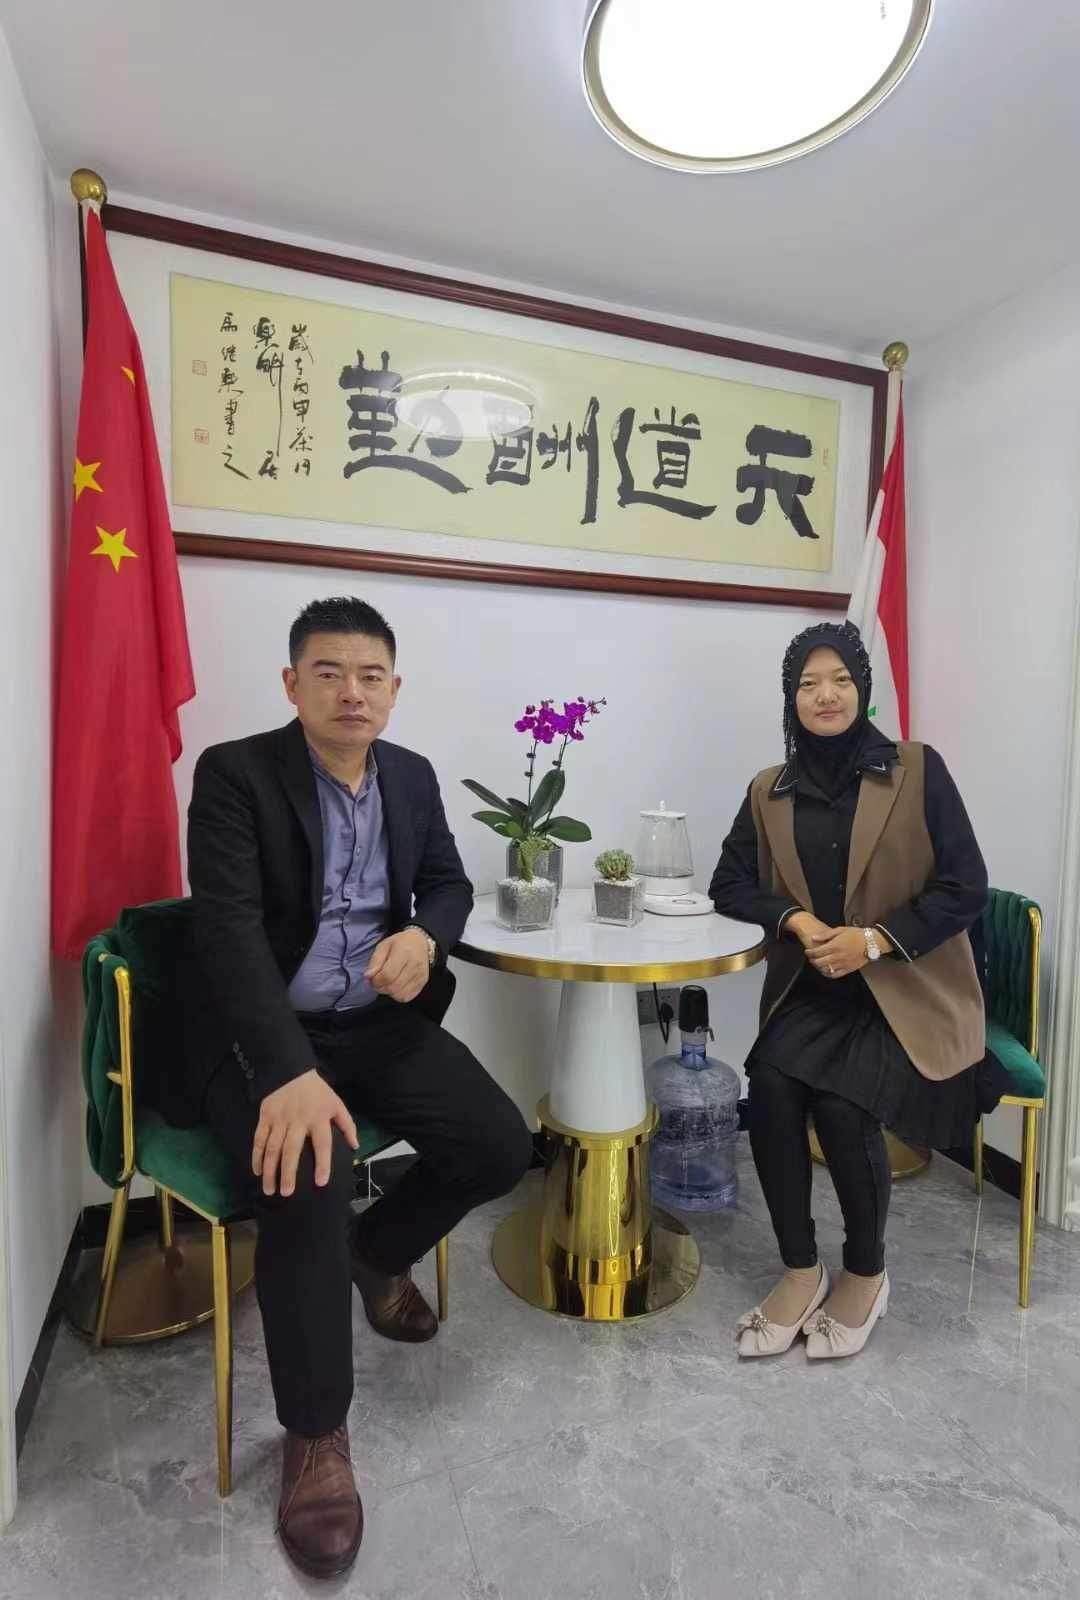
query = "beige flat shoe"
x=827 y=1339
x=757 y=1336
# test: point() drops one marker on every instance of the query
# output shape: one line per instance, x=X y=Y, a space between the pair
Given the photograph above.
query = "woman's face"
x=826 y=699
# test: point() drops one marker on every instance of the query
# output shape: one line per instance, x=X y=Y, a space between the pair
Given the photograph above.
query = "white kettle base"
x=680 y=905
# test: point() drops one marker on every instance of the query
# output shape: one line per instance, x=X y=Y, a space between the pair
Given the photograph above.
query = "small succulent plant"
x=615 y=866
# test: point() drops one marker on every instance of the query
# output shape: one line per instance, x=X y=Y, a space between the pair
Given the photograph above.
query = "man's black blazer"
x=255 y=864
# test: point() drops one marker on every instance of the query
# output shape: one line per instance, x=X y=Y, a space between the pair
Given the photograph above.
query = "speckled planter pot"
x=524 y=906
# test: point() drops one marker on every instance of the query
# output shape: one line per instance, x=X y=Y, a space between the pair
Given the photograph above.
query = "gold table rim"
x=606 y=972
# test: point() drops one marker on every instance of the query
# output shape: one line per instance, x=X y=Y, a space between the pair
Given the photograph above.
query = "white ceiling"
x=456 y=132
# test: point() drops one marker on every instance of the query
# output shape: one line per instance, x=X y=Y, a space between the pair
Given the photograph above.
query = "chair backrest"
x=1012 y=928
x=131 y=963
x=101 y=1059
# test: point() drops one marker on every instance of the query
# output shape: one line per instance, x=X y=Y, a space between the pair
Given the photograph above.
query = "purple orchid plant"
x=531 y=823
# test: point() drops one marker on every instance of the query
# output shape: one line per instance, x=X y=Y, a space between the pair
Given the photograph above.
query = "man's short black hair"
x=340 y=614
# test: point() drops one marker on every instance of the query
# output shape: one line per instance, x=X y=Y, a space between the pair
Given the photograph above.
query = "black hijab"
x=828 y=760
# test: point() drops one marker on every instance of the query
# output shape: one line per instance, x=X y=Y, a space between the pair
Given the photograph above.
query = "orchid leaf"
x=568 y=829
x=486 y=794
x=548 y=794
x=495 y=819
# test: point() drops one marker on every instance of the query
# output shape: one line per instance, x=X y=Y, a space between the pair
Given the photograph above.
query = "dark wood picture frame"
x=272 y=252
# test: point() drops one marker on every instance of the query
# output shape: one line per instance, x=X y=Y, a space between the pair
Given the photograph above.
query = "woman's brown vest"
x=933 y=1004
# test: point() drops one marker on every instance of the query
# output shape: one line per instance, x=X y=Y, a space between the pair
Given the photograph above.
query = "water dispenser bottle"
x=697 y=1096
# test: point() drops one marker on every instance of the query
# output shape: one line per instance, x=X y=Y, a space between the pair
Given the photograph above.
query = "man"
x=327 y=892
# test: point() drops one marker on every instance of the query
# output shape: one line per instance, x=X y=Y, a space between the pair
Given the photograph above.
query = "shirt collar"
x=371 y=773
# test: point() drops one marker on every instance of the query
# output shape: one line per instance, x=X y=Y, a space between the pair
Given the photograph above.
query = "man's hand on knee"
x=304 y=1108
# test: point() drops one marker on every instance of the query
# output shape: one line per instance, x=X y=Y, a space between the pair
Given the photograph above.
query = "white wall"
x=41 y=1091
x=993 y=432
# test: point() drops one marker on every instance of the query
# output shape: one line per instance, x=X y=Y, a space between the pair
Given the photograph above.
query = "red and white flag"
x=879 y=598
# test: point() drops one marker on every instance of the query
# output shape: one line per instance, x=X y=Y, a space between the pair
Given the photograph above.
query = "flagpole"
x=89 y=188
x=895 y=357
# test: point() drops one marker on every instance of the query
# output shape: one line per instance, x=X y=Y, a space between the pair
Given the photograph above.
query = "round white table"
x=591 y=1245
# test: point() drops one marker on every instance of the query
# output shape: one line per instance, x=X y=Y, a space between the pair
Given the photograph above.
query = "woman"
x=858 y=859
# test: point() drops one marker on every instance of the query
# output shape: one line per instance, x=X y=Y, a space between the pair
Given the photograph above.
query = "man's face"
x=344 y=689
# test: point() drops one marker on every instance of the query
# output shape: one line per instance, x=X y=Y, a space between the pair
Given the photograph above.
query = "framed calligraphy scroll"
x=320 y=410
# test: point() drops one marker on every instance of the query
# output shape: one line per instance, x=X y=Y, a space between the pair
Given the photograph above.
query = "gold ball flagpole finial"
x=895 y=355
x=87 y=185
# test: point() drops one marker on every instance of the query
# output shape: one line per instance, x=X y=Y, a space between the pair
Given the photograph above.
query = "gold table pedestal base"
x=670 y=1274
x=589 y=1245
x=158 y=1292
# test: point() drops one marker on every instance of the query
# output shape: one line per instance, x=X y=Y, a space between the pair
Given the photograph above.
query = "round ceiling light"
x=730 y=85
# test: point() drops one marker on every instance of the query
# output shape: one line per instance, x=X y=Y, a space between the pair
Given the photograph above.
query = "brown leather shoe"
x=320 y=1518
x=393 y=1304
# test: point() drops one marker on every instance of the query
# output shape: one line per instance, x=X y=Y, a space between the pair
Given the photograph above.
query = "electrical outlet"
x=646 y=1006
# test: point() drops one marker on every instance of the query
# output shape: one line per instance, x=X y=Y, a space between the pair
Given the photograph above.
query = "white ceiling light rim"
x=626 y=138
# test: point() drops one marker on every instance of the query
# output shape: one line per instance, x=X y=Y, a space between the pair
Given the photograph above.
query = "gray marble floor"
x=522 y=1457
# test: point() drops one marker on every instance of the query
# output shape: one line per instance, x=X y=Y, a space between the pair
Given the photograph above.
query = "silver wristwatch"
x=873 y=949
x=432 y=947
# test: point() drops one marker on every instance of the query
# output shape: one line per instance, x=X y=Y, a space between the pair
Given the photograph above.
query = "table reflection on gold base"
x=905 y=1160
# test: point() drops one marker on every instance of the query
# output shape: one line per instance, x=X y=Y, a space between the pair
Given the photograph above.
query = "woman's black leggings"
x=854 y=1147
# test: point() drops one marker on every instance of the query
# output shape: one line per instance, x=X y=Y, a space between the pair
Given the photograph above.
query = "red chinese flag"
x=125 y=668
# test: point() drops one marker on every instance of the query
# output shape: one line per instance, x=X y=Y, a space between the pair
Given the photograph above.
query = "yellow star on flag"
x=113 y=546
x=84 y=477
x=128 y=374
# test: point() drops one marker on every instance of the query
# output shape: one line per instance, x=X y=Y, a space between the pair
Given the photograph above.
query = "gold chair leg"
x=442 y=1276
x=114 y=1238
x=1027 y=1201
x=223 y=1353
x=166 y=1233
x=978 y=1154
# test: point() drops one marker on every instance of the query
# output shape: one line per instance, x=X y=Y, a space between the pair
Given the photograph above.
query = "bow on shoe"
x=837 y=1337
x=764 y=1333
